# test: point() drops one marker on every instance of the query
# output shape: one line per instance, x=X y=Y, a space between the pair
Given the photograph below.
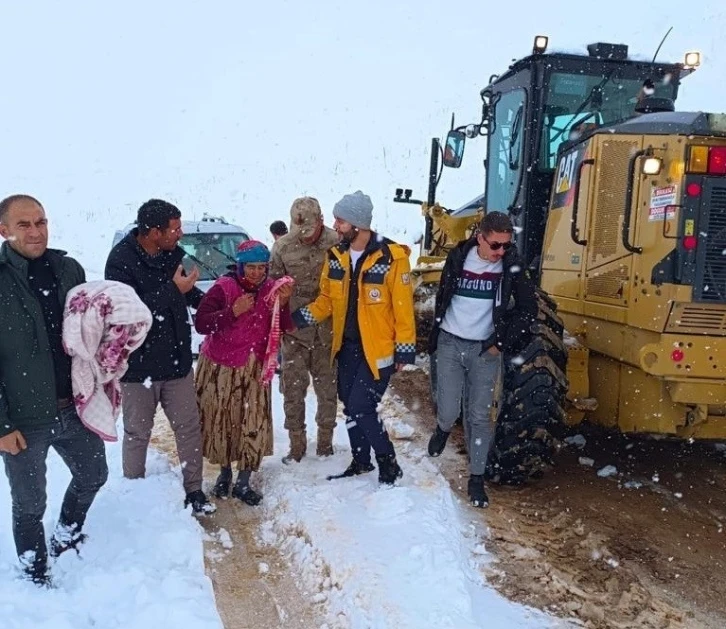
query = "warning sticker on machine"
x=660 y=199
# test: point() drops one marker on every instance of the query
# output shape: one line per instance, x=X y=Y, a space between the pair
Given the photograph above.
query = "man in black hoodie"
x=149 y=260
x=485 y=305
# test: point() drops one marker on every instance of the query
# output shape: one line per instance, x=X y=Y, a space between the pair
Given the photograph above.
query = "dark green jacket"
x=27 y=378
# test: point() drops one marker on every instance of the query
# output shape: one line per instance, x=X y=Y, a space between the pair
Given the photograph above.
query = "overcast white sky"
x=237 y=108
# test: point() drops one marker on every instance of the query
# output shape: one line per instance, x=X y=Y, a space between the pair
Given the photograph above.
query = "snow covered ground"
x=142 y=567
x=406 y=556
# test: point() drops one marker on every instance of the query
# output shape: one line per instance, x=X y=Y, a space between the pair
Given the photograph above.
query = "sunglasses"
x=496 y=246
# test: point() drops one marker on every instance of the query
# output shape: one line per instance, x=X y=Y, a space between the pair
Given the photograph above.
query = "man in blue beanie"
x=366 y=287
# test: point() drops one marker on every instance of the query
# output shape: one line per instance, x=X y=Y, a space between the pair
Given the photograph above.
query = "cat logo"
x=374 y=294
x=566 y=172
x=565 y=180
x=405 y=278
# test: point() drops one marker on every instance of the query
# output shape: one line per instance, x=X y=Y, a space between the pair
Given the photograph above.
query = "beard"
x=349 y=237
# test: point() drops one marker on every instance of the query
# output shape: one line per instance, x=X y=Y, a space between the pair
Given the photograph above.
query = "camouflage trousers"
x=299 y=364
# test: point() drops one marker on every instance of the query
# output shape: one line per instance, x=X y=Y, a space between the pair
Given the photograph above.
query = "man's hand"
x=185 y=283
x=13 y=443
x=285 y=293
x=400 y=366
x=494 y=351
x=242 y=304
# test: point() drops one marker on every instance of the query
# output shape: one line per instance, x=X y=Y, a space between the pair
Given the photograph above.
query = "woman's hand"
x=285 y=293
x=242 y=304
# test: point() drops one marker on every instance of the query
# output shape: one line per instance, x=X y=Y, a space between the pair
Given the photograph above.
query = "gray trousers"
x=465 y=375
x=178 y=398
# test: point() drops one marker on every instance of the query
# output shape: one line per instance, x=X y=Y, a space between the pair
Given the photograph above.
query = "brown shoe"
x=325 y=442
x=298 y=447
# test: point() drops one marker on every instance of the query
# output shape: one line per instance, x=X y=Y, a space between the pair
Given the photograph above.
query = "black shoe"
x=437 y=443
x=199 y=502
x=38 y=577
x=354 y=469
x=388 y=469
x=247 y=495
x=224 y=482
x=60 y=544
x=476 y=492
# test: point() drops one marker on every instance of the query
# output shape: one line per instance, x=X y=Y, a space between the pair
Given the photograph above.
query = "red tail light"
x=677 y=355
x=717 y=160
x=689 y=242
x=693 y=189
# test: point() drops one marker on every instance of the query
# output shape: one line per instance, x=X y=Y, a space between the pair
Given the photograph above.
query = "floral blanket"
x=103 y=322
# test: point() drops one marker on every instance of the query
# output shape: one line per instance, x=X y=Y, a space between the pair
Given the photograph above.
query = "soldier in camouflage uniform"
x=305 y=353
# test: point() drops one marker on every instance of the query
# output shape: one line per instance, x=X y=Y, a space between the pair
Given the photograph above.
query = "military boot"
x=298 y=447
x=325 y=442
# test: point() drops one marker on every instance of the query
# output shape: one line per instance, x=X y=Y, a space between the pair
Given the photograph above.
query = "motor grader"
x=619 y=204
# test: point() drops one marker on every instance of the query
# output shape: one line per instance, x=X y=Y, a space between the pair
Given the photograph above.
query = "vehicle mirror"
x=454 y=149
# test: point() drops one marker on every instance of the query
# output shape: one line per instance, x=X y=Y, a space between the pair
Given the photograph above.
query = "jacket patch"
x=374 y=294
x=373 y=278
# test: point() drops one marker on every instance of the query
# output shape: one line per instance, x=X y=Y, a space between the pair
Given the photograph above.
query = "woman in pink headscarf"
x=242 y=315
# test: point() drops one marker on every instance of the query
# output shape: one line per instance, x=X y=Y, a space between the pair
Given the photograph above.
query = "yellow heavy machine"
x=620 y=207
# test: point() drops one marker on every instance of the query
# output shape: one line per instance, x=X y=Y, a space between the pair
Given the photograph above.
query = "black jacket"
x=27 y=372
x=167 y=351
x=515 y=308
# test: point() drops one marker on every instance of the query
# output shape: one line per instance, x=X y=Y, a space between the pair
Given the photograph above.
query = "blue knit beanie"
x=251 y=252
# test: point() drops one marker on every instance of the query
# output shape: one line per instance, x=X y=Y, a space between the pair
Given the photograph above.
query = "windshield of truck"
x=504 y=159
x=212 y=252
x=576 y=103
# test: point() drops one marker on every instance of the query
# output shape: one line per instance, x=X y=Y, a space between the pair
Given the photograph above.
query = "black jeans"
x=360 y=394
x=85 y=455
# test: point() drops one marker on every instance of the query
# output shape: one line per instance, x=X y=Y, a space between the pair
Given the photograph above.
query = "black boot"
x=388 y=469
x=65 y=538
x=224 y=481
x=199 y=502
x=242 y=490
x=36 y=570
x=38 y=577
x=437 y=443
x=354 y=469
x=476 y=492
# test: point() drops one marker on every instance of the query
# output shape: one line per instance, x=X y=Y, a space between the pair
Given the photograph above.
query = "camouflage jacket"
x=304 y=263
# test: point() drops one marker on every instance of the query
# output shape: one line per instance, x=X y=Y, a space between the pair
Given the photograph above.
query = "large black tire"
x=424 y=300
x=531 y=407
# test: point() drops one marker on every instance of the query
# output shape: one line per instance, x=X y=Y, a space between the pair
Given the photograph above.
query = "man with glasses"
x=149 y=259
x=474 y=321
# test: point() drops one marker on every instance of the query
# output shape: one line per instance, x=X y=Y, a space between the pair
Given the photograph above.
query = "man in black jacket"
x=149 y=260
x=485 y=306
x=36 y=397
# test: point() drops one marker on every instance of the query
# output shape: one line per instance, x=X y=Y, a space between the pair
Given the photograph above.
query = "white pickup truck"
x=210 y=245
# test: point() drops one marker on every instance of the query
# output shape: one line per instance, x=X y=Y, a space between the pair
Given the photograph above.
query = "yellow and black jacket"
x=385 y=315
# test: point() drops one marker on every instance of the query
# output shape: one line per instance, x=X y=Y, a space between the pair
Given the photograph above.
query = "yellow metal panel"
x=645 y=405
x=713 y=428
x=561 y=284
x=697 y=392
x=606 y=313
x=605 y=387
x=612 y=159
x=687 y=318
x=702 y=356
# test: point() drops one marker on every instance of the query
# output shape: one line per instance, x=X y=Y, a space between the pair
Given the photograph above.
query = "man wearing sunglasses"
x=485 y=299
